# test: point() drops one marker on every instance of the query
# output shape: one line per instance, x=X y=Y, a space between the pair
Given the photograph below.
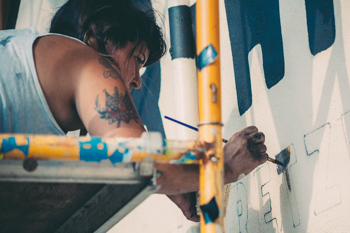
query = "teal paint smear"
x=10 y=145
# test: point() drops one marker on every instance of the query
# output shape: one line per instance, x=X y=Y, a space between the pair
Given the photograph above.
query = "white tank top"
x=23 y=107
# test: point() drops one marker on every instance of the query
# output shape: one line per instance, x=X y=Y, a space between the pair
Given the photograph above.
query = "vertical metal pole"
x=210 y=126
x=183 y=64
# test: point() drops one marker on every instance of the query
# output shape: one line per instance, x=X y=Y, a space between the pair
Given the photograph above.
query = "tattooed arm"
x=84 y=89
x=113 y=114
x=104 y=102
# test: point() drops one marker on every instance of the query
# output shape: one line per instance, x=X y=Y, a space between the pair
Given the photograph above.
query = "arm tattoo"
x=111 y=72
x=118 y=108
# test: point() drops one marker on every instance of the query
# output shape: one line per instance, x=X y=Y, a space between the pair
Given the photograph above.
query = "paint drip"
x=284 y=157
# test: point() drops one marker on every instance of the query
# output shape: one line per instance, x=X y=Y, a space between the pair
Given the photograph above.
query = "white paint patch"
x=173 y=3
x=241 y=176
x=185 y=91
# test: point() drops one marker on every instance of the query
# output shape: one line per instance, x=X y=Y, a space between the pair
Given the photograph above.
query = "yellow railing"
x=210 y=126
x=96 y=149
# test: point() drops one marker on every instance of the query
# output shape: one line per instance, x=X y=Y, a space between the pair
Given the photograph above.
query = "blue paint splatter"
x=5 y=41
x=117 y=157
x=206 y=57
x=10 y=144
x=210 y=211
x=187 y=157
x=90 y=152
x=96 y=150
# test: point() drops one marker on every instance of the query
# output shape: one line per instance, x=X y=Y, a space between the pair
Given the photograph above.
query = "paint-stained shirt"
x=22 y=103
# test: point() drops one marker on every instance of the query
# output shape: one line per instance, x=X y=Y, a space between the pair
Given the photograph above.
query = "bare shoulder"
x=89 y=82
x=56 y=52
x=57 y=62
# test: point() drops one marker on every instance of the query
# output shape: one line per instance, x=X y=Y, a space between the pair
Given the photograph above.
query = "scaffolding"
x=110 y=161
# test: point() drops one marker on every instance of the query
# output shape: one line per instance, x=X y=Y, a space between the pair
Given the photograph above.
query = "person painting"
x=79 y=76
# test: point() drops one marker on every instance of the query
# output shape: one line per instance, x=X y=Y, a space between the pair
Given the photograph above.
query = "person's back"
x=23 y=108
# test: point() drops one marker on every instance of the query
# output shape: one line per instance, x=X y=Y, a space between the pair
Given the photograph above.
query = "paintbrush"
x=224 y=140
x=275 y=161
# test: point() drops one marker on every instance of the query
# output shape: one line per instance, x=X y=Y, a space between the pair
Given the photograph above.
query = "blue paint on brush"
x=284 y=157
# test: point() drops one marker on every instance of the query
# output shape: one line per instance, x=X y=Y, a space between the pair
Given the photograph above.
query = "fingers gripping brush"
x=223 y=140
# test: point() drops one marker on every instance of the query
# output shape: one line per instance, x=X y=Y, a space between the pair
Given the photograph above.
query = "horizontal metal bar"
x=96 y=149
x=71 y=172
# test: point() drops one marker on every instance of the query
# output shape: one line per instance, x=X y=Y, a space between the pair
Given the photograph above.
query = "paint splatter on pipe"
x=96 y=149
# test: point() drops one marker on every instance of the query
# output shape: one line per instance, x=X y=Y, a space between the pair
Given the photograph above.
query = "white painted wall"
x=315 y=91
x=308 y=110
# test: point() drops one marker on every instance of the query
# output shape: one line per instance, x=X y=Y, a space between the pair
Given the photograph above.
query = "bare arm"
x=104 y=103
x=82 y=88
x=106 y=109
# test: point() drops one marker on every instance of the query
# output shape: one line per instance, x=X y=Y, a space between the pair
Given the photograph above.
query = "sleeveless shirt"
x=23 y=107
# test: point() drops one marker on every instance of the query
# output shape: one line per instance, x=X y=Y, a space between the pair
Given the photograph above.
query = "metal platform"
x=70 y=196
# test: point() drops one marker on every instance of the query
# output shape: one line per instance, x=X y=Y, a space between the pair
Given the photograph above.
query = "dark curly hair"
x=100 y=23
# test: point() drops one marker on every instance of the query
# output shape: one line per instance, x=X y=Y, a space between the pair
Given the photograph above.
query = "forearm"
x=178 y=178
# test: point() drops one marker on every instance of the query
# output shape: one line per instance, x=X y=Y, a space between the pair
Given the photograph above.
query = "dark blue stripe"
x=210 y=211
x=181 y=38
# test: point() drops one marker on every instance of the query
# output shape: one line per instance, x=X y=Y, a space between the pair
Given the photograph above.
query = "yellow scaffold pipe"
x=97 y=149
x=210 y=126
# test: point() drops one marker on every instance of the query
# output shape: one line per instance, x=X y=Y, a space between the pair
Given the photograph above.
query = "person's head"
x=113 y=27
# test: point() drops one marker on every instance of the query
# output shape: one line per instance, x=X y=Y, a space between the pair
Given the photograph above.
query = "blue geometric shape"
x=206 y=57
x=250 y=23
x=320 y=24
x=210 y=211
